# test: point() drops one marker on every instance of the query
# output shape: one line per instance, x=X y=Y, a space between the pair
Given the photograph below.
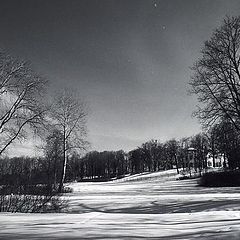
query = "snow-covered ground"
x=149 y=206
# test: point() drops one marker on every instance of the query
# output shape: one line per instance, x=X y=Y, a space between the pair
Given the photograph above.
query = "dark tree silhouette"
x=216 y=78
x=21 y=105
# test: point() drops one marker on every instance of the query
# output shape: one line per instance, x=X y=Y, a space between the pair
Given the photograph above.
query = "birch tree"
x=69 y=117
x=21 y=105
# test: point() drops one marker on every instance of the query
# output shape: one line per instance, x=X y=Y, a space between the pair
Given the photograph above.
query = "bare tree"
x=227 y=143
x=216 y=79
x=53 y=156
x=172 y=148
x=21 y=106
x=69 y=117
x=201 y=145
x=212 y=136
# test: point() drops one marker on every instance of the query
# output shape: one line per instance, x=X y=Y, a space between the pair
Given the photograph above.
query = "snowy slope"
x=149 y=206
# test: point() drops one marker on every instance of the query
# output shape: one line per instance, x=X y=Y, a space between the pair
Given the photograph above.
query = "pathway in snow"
x=149 y=206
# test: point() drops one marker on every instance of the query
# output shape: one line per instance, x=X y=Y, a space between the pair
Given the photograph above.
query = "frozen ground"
x=145 y=206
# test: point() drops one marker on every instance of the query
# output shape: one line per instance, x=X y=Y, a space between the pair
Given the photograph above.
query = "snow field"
x=144 y=206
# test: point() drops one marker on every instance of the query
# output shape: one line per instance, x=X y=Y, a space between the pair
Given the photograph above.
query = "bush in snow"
x=221 y=179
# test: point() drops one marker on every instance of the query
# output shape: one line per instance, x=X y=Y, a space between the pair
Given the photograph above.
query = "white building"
x=219 y=160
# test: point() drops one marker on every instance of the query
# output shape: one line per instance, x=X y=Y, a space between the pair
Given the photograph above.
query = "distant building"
x=219 y=160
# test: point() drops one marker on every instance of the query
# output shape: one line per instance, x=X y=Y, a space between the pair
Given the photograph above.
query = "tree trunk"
x=176 y=162
x=224 y=161
x=60 y=189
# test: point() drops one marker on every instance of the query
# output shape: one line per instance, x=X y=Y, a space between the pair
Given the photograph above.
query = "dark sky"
x=129 y=59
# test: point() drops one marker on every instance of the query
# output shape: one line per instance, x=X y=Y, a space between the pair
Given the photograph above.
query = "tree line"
x=221 y=140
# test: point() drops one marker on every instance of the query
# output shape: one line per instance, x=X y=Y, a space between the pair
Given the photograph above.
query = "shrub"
x=39 y=189
x=31 y=203
x=67 y=190
x=31 y=198
x=221 y=179
x=183 y=177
